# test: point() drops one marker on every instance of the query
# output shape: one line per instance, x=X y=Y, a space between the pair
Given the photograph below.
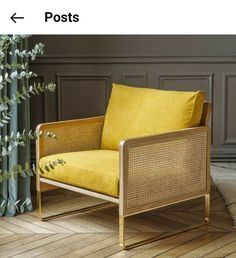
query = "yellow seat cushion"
x=134 y=112
x=96 y=170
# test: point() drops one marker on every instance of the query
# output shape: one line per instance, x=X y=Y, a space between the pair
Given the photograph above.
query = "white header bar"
x=118 y=17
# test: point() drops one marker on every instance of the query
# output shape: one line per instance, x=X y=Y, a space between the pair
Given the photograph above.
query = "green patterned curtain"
x=15 y=193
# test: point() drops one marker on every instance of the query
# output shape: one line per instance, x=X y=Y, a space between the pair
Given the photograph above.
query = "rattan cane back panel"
x=163 y=170
x=74 y=136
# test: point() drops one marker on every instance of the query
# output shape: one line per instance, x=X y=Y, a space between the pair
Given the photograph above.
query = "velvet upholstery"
x=96 y=170
x=134 y=112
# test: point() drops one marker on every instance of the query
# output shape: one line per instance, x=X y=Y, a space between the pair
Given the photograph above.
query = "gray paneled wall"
x=84 y=68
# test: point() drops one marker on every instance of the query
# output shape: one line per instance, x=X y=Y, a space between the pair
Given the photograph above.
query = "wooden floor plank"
x=198 y=202
x=53 y=250
x=152 y=225
x=167 y=244
x=5 y=239
x=42 y=249
x=82 y=252
x=110 y=218
x=75 y=246
x=167 y=224
x=160 y=217
x=223 y=251
x=231 y=254
x=5 y=231
x=191 y=245
x=19 y=222
x=140 y=224
x=8 y=225
x=90 y=223
x=101 y=220
x=219 y=225
x=95 y=234
x=115 y=248
x=187 y=221
x=44 y=224
x=49 y=238
x=64 y=222
x=21 y=242
x=216 y=204
x=211 y=246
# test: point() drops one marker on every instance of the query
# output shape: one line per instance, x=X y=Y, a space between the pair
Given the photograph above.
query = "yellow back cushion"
x=134 y=112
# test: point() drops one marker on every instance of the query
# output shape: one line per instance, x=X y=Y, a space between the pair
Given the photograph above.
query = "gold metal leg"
x=166 y=234
x=122 y=231
x=39 y=203
x=207 y=207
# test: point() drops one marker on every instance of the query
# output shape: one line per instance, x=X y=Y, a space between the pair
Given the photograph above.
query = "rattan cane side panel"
x=72 y=138
x=163 y=170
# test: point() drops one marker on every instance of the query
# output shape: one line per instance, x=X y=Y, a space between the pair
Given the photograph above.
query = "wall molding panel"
x=60 y=59
x=198 y=81
x=135 y=79
x=65 y=81
x=84 y=68
x=189 y=77
x=228 y=115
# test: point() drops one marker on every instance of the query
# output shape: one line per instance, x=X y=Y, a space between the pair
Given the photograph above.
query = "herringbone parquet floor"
x=95 y=234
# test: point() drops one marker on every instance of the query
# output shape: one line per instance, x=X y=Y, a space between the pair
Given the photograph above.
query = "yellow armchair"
x=144 y=172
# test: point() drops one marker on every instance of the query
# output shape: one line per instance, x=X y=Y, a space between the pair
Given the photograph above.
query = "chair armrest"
x=163 y=169
x=72 y=135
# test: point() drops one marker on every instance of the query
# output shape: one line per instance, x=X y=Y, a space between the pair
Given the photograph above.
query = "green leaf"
x=22 y=173
x=5 y=98
x=23 y=89
x=27 y=166
x=19 y=168
x=4 y=151
x=9 y=80
x=30 y=173
x=6 y=174
x=22 y=97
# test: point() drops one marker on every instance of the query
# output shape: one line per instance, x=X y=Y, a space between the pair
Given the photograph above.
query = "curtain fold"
x=15 y=194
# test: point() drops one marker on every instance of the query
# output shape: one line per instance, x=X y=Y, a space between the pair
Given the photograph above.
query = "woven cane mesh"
x=72 y=138
x=163 y=170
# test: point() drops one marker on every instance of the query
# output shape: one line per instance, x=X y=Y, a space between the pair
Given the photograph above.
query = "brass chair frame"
x=175 y=167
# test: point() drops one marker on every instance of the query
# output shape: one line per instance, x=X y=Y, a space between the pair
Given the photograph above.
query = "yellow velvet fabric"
x=134 y=112
x=97 y=170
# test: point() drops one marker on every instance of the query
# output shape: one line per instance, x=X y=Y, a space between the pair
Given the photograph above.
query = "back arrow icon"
x=13 y=17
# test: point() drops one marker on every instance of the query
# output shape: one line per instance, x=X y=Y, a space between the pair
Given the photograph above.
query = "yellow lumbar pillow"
x=134 y=112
